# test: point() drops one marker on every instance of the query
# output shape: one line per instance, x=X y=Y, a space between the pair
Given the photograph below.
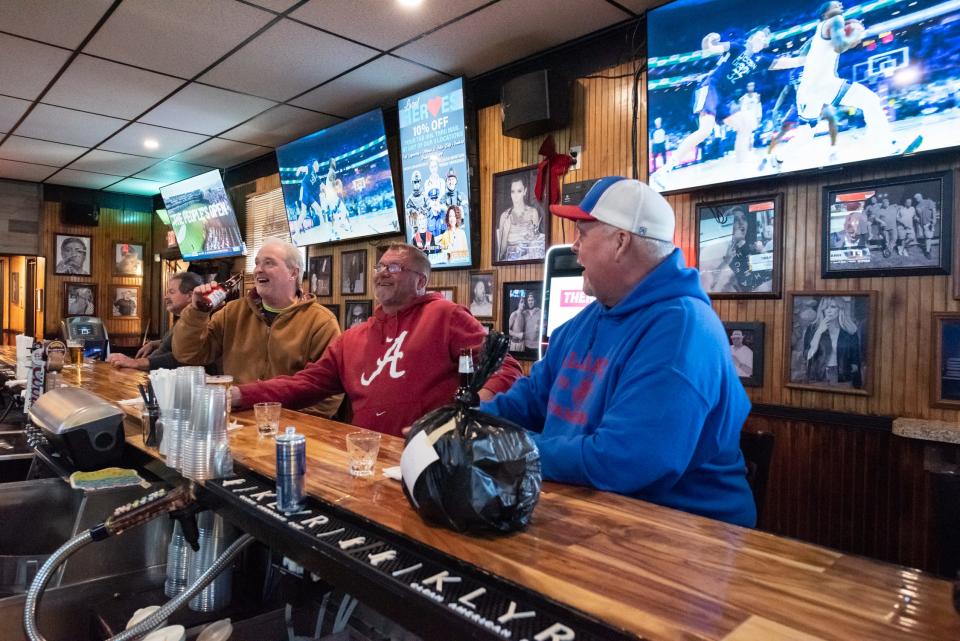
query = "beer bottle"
x=216 y=297
x=465 y=394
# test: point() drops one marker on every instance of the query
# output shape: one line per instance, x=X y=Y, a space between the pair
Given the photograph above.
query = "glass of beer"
x=75 y=352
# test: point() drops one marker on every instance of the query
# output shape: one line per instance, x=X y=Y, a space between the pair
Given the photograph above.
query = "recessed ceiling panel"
x=280 y=125
x=39 y=151
x=381 y=24
x=205 y=110
x=179 y=37
x=170 y=171
x=509 y=30
x=221 y=153
x=171 y=141
x=24 y=171
x=54 y=21
x=286 y=60
x=111 y=162
x=108 y=88
x=27 y=67
x=84 y=179
x=380 y=82
x=65 y=125
x=11 y=109
x=136 y=187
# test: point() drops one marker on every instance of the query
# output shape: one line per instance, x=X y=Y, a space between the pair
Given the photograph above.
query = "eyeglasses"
x=393 y=268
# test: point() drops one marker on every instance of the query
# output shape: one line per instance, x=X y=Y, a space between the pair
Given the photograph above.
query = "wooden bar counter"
x=655 y=572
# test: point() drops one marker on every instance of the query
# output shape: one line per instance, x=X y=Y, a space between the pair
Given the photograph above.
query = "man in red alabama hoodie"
x=398 y=365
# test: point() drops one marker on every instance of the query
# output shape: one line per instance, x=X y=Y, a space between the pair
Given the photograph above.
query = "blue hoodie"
x=642 y=399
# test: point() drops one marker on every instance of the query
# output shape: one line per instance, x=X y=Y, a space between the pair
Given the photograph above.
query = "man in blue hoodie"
x=638 y=394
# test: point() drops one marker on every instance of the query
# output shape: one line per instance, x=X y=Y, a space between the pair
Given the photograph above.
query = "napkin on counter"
x=392 y=472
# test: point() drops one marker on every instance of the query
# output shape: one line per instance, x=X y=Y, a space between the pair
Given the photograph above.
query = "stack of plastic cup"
x=178 y=419
x=216 y=535
x=204 y=443
x=178 y=560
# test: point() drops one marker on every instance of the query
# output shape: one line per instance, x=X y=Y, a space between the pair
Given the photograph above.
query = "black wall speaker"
x=77 y=213
x=534 y=104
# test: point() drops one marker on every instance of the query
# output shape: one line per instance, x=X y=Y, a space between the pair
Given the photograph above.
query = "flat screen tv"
x=739 y=89
x=436 y=181
x=563 y=296
x=337 y=183
x=202 y=217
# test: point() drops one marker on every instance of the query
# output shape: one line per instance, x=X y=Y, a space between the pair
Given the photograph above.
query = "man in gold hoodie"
x=275 y=329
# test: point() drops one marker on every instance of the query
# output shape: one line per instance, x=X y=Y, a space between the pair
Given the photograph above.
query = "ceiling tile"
x=275 y=5
x=130 y=141
x=24 y=170
x=83 y=179
x=136 y=187
x=183 y=38
x=11 y=109
x=170 y=171
x=111 y=162
x=109 y=88
x=280 y=125
x=65 y=125
x=380 y=82
x=221 y=153
x=509 y=30
x=286 y=60
x=39 y=151
x=640 y=6
x=206 y=110
x=27 y=67
x=54 y=21
x=381 y=24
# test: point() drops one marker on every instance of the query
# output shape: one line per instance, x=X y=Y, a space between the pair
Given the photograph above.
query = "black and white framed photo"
x=448 y=293
x=334 y=309
x=482 y=294
x=79 y=299
x=125 y=301
x=14 y=288
x=353 y=272
x=738 y=247
x=127 y=259
x=521 y=228
x=746 y=349
x=320 y=275
x=829 y=342
x=356 y=312
x=890 y=227
x=945 y=360
x=72 y=254
x=522 y=315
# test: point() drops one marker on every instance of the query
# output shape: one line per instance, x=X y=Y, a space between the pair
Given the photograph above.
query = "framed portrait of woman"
x=521 y=228
x=738 y=247
x=829 y=341
x=522 y=314
x=79 y=299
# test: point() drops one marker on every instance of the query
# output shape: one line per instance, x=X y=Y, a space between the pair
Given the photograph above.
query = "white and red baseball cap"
x=624 y=203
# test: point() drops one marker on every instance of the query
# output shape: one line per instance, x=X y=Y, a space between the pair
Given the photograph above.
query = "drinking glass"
x=75 y=351
x=225 y=381
x=362 y=448
x=268 y=418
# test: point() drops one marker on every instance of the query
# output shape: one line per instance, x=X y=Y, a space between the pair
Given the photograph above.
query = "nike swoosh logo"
x=380 y=413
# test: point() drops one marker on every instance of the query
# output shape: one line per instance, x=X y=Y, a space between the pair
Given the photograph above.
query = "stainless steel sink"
x=15 y=456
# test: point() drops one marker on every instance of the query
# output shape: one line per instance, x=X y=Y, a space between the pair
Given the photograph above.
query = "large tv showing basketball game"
x=436 y=180
x=739 y=89
x=202 y=217
x=337 y=183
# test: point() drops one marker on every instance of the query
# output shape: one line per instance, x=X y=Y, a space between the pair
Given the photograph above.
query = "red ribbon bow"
x=550 y=170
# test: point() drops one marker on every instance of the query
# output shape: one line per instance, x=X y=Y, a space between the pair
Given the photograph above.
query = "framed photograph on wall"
x=482 y=294
x=334 y=309
x=739 y=248
x=746 y=348
x=14 y=288
x=356 y=312
x=353 y=272
x=72 y=254
x=945 y=360
x=79 y=299
x=127 y=259
x=320 y=275
x=521 y=317
x=829 y=341
x=448 y=293
x=891 y=227
x=521 y=227
x=125 y=301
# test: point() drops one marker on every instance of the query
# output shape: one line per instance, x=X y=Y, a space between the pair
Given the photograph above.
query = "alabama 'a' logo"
x=391 y=357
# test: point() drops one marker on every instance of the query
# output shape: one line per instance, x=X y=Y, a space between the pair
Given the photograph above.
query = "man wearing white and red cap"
x=638 y=393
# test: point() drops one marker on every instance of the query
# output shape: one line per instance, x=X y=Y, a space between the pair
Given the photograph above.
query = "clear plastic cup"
x=362 y=448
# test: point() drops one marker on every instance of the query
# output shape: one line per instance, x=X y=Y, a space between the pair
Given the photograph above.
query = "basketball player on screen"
x=820 y=86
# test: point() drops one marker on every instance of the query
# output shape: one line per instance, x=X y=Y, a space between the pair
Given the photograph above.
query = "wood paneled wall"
x=116 y=225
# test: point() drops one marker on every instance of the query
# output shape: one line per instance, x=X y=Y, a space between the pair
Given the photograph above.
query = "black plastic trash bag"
x=469 y=470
